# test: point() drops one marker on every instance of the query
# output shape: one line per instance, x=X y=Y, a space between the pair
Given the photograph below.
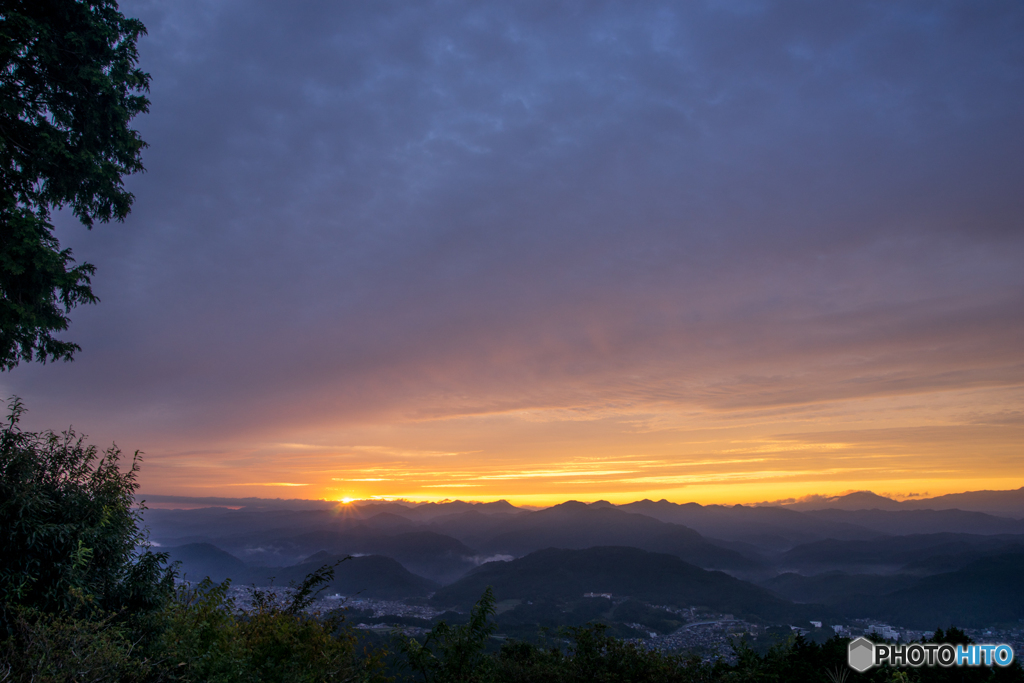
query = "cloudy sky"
x=725 y=252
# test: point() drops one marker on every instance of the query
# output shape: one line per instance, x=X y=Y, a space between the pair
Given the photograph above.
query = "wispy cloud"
x=261 y=483
x=497 y=239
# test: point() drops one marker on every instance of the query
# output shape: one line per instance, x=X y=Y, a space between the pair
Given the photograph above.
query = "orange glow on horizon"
x=903 y=447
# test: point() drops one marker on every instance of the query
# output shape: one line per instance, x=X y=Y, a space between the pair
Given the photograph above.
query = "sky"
x=723 y=252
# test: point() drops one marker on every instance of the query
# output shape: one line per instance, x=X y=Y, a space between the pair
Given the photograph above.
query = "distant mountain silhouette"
x=831 y=588
x=902 y=522
x=858 y=500
x=472 y=527
x=944 y=561
x=894 y=553
x=988 y=591
x=280 y=537
x=427 y=553
x=766 y=528
x=201 y=560
x=427 y=511
x=999 y=503
x=369 y=576
x=1009 y=503
x=386 y=522
x=411 y=549
x=555 y=574
x=575 y=525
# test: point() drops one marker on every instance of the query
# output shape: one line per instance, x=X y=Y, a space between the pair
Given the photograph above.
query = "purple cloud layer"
x=363 y=211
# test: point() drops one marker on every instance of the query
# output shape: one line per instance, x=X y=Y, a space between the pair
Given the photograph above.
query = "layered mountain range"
x=834 y=558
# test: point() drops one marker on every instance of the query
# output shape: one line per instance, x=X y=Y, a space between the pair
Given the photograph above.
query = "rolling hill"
x=368 y=576
x=833 y=588
x=565 y=575
x=911 y=553
x=371 y=576
x=766 y=528
x=575 y=525
x=986 y=592
x=905 y=522
x=201 y=560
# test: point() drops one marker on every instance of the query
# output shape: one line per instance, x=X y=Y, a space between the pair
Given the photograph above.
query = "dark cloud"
x=369 y=210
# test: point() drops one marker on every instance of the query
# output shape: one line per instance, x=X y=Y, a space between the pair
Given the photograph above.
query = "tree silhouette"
x=69 y=87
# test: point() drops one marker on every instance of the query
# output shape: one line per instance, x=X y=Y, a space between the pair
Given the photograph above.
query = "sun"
x=346 y=501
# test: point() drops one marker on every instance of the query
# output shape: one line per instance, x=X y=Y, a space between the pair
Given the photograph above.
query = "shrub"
x=70 y=534
x=207 y=638
x=47 y=648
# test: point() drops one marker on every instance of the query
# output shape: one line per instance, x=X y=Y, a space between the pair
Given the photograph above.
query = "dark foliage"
x=450 y=654
x=70 y=540
x=69 y=87
x=82 y=599
x=206 y=637
x=588 y=654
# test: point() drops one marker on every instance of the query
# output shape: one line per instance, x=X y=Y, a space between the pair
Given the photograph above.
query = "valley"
x=673 y=576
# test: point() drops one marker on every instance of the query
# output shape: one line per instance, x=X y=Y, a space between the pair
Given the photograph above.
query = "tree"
x=82 y=598
x=454 y=654
x=71 y=540
x=210 y=638
x=69 y=86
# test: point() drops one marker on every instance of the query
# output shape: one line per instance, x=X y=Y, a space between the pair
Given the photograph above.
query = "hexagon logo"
x=860 y=654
